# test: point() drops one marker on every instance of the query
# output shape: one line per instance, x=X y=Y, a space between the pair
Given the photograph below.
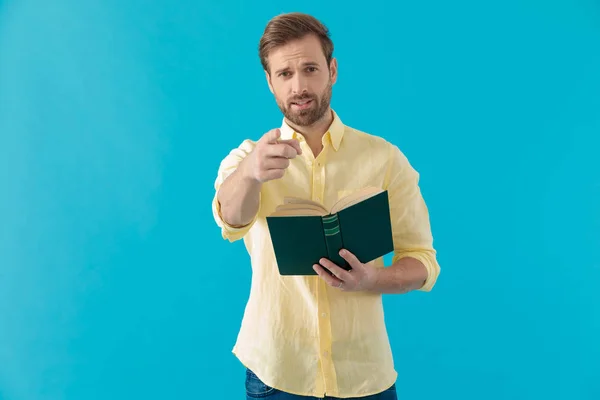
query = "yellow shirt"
x=298 y=334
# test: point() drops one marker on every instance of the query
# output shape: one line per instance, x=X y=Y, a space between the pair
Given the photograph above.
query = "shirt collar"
x=334 y=134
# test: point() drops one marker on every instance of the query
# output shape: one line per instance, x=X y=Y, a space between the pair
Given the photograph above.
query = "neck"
x=313 y=134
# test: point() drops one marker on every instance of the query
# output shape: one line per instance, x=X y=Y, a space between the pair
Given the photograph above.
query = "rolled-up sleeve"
x=228 y=165
x=411 y=226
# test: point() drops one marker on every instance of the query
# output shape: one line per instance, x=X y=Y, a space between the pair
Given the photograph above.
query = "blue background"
x=114 y=280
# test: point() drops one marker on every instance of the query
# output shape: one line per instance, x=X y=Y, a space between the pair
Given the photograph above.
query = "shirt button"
x=326 y=353
x=323 y=315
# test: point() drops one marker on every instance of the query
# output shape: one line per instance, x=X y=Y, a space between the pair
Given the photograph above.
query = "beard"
x=314 y=113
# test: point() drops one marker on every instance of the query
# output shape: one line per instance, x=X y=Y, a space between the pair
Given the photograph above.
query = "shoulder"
x=231 y=158
x=237 y=153
x=246 y=146
x=369 y=141
x=373 y=145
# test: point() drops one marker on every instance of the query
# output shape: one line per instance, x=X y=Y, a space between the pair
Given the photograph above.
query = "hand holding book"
x=359 y=277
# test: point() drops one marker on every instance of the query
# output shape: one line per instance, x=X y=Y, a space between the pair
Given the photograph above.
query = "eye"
x=311 y=69
x=284 y=73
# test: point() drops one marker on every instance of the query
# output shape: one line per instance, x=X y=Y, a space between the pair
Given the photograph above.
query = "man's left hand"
x=360 y=277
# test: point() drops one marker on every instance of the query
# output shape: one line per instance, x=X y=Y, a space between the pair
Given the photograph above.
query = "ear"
x=268 y=77
x=333 y=70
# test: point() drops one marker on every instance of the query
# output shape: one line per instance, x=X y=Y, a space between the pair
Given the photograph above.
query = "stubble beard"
x=313 y=114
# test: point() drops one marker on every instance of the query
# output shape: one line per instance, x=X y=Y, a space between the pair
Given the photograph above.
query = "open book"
x=303 y=231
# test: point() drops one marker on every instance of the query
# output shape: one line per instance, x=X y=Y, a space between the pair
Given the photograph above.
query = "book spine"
x=333 y=239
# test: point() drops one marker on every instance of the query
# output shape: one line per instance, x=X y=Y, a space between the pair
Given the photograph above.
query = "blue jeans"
x=256 y=389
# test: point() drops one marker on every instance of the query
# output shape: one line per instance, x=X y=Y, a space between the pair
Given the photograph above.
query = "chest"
x=325 y=179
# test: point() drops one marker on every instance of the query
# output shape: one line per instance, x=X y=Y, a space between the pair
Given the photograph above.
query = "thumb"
x=351 y=258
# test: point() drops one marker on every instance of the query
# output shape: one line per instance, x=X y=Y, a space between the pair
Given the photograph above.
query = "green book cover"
x=302 y=231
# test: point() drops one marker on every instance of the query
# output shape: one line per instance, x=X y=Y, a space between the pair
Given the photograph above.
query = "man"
x=320 y=336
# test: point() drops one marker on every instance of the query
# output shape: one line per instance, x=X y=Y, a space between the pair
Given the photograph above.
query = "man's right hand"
x=239 y=195
x=271 y=157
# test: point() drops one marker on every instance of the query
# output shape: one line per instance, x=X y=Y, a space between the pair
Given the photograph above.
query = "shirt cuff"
x=230 y=232
x=428 y=259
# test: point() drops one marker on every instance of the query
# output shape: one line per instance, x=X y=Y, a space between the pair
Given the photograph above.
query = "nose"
x=299 y=84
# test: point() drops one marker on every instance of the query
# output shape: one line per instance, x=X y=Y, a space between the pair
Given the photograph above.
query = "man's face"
x=301 y=80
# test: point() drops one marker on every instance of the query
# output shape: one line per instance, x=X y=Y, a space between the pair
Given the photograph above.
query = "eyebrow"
x=304 y=64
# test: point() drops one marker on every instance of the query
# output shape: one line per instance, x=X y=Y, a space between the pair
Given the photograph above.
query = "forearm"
x=405 y=275
x=239 y=197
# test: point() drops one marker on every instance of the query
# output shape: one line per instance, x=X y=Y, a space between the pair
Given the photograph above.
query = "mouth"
x=302 y=104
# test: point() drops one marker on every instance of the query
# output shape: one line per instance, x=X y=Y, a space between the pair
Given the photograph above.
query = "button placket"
x=318 y=178
x=324 y=322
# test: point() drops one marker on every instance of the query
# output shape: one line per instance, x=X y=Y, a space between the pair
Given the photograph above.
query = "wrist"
x=374 y=278
x=247 y=178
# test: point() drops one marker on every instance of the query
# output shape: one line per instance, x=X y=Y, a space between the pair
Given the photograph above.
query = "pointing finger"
x=281 y=150
x=294 y=143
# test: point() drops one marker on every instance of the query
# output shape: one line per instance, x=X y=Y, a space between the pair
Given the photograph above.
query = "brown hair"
x=292 y=26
